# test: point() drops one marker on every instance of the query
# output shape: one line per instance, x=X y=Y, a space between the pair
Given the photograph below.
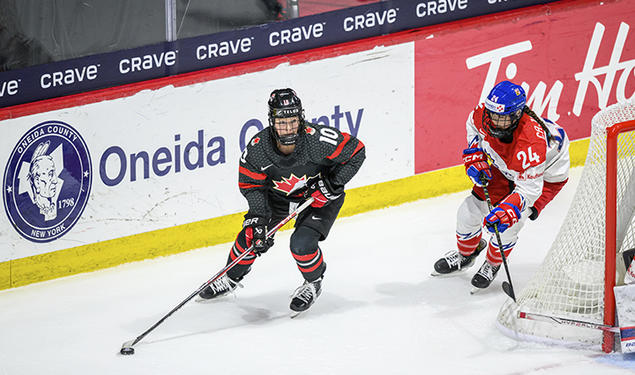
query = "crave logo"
x=47 y=181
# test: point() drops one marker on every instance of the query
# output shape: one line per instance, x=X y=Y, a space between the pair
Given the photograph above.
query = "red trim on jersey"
x=340 y=147
x=549 y=191
x=254 y=175
x=243 y=185
x=360 y=146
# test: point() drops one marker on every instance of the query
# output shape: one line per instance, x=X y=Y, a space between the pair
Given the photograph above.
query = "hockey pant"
x=469 y=228
x=312 y=226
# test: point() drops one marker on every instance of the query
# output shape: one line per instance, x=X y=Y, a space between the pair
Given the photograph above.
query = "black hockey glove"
x=323 y=193
x=256 y=235
x=534 y=213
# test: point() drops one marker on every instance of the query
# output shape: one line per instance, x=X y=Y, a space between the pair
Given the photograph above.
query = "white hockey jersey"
x=528 y=161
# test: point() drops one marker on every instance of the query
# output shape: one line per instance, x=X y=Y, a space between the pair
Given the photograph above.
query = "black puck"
x=127 y=350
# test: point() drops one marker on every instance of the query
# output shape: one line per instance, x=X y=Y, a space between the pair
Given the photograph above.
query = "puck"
x=127 y=350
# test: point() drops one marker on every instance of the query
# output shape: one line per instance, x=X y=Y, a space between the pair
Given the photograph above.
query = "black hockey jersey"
x=266 y=175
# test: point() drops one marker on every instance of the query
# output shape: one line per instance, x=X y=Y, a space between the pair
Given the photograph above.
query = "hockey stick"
x=566 y=321
x=507 y=285
x=127 y=347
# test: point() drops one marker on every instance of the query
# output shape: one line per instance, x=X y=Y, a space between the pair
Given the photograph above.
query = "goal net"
x=577 y=276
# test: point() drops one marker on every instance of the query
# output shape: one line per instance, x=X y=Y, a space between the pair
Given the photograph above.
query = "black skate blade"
x=225 y=297
x=203 y=300
x=295 y=314
x=507 y=288
x=451 y=274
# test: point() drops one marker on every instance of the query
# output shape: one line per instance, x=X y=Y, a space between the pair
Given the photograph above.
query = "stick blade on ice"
x=126 y=348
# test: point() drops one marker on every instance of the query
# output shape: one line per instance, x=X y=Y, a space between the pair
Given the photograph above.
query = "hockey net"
x=577 y=276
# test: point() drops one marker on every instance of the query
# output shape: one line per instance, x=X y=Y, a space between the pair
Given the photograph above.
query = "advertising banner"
x=569 y=70
x=168 y=157
x=191 y=54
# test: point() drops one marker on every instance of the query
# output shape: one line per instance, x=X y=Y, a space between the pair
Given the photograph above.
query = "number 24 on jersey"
x=527 y=157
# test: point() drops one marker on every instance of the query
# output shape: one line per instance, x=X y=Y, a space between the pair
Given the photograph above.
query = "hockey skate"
x=220 y=287
x=453 y=261
x=304 y=296
x=484 y=277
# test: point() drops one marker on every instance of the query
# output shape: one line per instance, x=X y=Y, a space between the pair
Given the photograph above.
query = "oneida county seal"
x=47 y=181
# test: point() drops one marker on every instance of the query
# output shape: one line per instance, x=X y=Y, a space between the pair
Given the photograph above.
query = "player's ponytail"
x=537 y=118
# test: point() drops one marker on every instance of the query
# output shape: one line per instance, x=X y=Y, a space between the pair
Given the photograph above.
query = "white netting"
x=570 y=282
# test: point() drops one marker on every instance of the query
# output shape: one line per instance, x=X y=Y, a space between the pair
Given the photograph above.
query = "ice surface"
x=380 y=311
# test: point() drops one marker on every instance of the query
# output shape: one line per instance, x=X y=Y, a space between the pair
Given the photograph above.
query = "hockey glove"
x=476 y=166
x=256 y=235
x=534 y=213
x=323 y=193
x=506 y=214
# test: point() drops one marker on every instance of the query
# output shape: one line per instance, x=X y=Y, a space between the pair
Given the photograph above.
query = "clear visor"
x=500 y=121
x=286 y=126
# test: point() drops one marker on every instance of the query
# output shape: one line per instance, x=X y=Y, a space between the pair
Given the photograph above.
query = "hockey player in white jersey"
x=524 y=162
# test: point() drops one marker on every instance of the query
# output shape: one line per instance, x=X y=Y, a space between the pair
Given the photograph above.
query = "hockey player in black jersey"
x=280 y=167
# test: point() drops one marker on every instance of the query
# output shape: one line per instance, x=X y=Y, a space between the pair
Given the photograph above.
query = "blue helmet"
x=505 y=99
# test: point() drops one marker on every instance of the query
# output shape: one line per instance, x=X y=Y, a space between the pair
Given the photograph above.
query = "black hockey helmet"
x=285 y=103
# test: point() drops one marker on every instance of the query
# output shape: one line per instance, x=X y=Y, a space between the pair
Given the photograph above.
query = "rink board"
x=164 y=153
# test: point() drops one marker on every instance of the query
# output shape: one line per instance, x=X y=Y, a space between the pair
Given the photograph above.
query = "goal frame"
x=612 y=134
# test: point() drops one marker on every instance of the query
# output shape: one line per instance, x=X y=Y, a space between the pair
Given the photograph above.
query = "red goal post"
x=612 y=134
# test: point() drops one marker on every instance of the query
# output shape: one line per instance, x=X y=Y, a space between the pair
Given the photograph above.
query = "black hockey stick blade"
x=507 y=288
x=126 y=348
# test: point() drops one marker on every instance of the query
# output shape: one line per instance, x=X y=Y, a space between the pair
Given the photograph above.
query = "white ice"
x=380 y=312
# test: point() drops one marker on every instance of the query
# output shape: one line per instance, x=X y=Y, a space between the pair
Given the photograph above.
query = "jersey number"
x=328 y=135
x=522 y=156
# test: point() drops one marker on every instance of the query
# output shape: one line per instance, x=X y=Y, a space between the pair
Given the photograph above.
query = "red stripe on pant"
x=467 y=247
x=494 y=255
x=237 y=250
x=309 y=259
x=305 y=258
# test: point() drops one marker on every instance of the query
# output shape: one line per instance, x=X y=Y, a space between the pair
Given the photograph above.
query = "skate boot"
x=484 y=277
x=219 y=287
x=454 y=261
x=305 y=295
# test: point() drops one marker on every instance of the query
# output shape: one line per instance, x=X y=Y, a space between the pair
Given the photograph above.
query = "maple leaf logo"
x=291 y=184
x=310 y=130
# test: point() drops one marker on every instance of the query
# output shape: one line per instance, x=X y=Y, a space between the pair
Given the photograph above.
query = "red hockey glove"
x=506 y=214
x=323 y=193
x=476 y=166
x=256 y=235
